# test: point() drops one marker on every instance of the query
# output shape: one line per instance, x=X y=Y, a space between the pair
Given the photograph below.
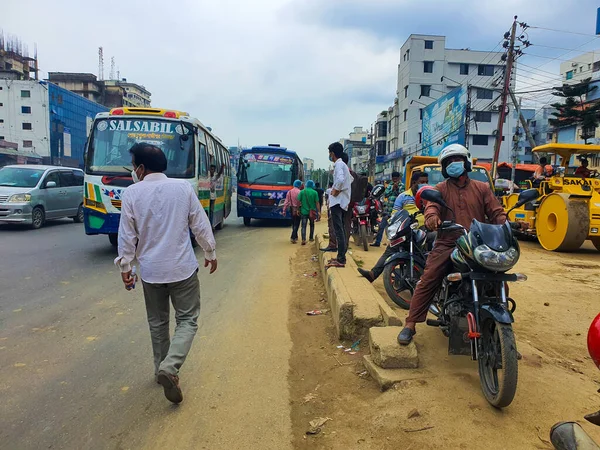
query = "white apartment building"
x=24 y=115
x=358 y=145
x=309 y=164
x=581 y=67
x=427 y=71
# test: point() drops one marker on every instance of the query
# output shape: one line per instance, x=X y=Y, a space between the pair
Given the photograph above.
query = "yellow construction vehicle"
x=430 y=165
x=568 y=210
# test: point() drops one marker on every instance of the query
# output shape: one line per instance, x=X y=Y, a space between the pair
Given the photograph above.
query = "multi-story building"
x=580 y=68
x=45 y=119
x=15 y=62
x=540 y=128
x=110 y=93
x=309 y=164
x=358 y=145
x=427 y=71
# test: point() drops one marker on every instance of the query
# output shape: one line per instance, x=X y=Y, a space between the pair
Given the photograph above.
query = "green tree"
x=576 y=110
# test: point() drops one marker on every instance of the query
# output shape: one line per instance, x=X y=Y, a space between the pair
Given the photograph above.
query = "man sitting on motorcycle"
x=469 y=199
x=406 y=201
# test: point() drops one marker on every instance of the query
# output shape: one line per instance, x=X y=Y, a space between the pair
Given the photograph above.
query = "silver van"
x=32 y=194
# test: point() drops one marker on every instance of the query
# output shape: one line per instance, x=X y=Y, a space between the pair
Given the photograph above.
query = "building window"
x=27 y=126
x=580 y=69
x=1 y=120
x=485 y=70
x=549 y=136
x=405 y=114
x=420 y=138
x=25 y=93
x=480 y=139
x=425 y=90
x=421 y=113
x=405 y=93
x=27 y=144
x=569 y=75
x=428 y=45
x=533 y=123
x=483 y=116
x=404 y=137
x=408 y=54
x=486 y=94
x=25 y=109
x=596 y=66
x=1 y=104
x=428 y=66
x=464 y=69
x=1 y=138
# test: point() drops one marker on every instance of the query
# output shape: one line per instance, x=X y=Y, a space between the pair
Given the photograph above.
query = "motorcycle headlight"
x=244 y=199
x=391 y=230
x=361 y=209
x=19 y=198
x=496 y=261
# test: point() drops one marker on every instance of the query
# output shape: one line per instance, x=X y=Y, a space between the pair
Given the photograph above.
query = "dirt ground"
x=557 y=380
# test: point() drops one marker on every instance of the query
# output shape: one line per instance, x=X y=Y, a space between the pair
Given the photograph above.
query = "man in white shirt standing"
x=156 y=216
x=339 y=200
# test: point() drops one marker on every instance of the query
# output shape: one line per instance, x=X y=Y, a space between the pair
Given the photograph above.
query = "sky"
x=301 y=73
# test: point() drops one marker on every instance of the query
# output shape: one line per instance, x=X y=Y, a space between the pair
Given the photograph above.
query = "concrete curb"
x=355 y=305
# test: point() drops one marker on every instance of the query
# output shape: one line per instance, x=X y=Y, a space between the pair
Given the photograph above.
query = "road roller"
x=567 y=213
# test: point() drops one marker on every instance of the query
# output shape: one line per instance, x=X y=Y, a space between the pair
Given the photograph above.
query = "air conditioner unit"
x=495 y=108
x=574 y=64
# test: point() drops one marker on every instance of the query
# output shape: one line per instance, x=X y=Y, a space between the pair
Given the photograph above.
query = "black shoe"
x=367 y=274
x=170 y=384
x=375 y=245
x=328 y=249
x=405 y=336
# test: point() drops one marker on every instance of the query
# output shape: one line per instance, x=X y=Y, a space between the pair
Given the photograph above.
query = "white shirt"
x=216 y=182
x=157 y=214
x=342 y=180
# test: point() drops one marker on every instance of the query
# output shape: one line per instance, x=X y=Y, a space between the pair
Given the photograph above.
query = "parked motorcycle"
x=362 y=214
x=404 y=268
x=472 y=306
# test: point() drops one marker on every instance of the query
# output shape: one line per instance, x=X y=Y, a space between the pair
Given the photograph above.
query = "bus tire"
x=247 y=221
x=114 y=239
x=219 y=226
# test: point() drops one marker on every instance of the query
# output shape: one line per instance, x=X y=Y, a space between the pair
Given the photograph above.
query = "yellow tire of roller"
x=562 y=223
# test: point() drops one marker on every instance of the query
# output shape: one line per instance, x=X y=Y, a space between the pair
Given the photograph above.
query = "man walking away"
x=320 y=193
x=339 y=201
x=293 y=204
x=156 y=216
x=309 y=205
x=216 y=182
x=391 y=193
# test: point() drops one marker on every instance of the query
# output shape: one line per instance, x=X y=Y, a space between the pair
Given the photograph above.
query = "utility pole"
x=504 y=95
x=468 y=116
x=522 y=119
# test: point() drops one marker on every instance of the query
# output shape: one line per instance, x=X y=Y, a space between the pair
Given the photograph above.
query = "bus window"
x=202 y=161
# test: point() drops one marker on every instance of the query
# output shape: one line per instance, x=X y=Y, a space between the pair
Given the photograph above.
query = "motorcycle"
x=472 y=306
x=404 y=267
x=362 y=216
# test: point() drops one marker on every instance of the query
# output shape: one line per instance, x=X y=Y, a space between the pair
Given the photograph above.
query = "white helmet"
x=455 y=150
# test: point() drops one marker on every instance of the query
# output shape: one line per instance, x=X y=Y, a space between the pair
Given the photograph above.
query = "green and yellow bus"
x=189 y=146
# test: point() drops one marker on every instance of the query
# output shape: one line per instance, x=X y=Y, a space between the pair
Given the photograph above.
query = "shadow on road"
x=49 y=224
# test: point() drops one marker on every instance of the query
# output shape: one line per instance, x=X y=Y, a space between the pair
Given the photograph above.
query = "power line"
x=563 y=31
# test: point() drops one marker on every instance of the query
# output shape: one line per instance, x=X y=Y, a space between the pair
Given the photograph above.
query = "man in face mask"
x=469 y=199
x=156 y=216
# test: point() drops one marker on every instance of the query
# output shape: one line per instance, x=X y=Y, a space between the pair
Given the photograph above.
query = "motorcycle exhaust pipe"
x=570 y=436
x=433 y=309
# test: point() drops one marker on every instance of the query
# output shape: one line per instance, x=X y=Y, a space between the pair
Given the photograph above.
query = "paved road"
x=76 y=367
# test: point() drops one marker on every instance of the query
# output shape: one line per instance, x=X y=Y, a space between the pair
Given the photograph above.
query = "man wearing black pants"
x=339 y=202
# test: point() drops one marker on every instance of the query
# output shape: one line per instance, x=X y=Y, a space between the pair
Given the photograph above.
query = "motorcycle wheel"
x=364 y=237
x=498 y=369
x=395 y=278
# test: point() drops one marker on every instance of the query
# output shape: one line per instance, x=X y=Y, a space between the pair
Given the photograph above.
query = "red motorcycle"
x=364 y=216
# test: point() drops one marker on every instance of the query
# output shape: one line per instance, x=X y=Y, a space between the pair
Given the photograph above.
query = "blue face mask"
x=419 y=186
x=455 y=169
x=330 y=158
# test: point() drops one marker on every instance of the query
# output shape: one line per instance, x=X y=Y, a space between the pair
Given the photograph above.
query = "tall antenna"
x=100 y=63
x=118 y=74
x=112 y=68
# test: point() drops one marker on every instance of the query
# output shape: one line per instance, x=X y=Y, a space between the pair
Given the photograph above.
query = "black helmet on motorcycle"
x=378 y=191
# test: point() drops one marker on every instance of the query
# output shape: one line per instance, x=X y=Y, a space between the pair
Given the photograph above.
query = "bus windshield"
x=267 y=168
x=109 y=154
x=435 y=175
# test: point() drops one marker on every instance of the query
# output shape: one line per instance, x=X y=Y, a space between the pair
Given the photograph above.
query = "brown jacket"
x=473 y=200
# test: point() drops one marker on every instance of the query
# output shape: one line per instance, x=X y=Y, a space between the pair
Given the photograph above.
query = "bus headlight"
x=244 y=199
x=19 y=198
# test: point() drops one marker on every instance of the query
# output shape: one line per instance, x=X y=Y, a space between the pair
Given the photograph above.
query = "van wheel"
x=79 y=217
x=37 y=218
x=114 y=239
x=247 y=221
